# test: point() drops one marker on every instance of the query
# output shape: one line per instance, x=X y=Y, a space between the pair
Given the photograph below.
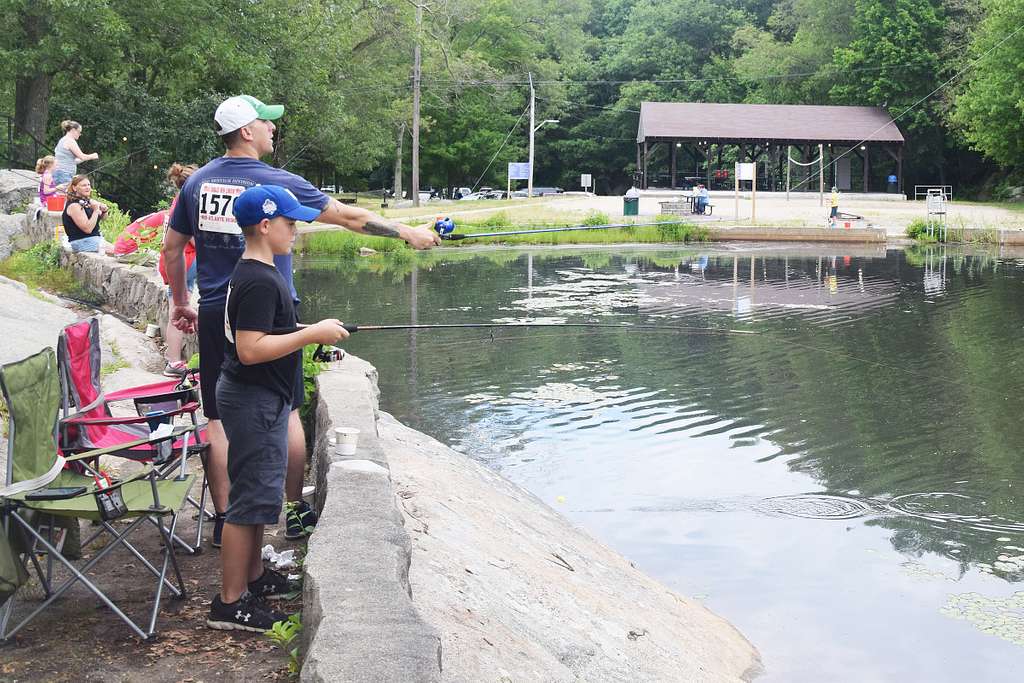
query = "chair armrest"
x=81 y=420
x=88 y=455
x=148 y=390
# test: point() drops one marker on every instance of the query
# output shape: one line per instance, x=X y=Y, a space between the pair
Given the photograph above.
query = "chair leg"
x=168 y=558
x=130 y=548
x=77 y=575
x=202 y=512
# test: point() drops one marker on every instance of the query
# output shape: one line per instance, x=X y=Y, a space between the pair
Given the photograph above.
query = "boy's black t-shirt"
x=259 y=300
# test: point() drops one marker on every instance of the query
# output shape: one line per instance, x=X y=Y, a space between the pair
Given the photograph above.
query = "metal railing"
x=922 y=191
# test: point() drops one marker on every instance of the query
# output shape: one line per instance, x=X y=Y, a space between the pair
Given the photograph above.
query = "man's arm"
x=173 y=252
x=368 y=223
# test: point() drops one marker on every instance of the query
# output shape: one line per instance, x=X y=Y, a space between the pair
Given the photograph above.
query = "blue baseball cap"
x=270 y=201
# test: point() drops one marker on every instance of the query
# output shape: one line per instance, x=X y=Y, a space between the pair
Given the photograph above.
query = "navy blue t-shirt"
x=204 y=212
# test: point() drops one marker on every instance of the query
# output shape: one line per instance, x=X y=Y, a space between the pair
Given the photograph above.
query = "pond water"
x=842 y=485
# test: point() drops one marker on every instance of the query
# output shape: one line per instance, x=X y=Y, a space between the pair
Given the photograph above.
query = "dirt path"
x=77 y=638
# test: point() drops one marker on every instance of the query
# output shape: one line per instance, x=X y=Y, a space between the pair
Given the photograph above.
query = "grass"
x=955 y=231
x=347 y=244
x=39 y=268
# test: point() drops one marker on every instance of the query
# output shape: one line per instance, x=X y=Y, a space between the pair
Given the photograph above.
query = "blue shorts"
x=62 y=177
x=190 y=279
x=87 y=244
x=256 y=423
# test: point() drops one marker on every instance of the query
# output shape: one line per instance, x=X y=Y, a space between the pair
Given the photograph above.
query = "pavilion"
x=682 y=143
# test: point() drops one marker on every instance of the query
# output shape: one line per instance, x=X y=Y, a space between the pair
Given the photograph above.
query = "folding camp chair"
x=39 y=489
x=88 y=422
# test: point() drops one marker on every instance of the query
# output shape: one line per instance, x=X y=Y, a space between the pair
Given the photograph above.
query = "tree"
x=991 y=107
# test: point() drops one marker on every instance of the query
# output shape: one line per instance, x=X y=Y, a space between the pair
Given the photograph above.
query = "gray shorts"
x=256 y=423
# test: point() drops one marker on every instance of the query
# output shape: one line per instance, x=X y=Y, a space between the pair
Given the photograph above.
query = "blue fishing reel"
x=444 y=226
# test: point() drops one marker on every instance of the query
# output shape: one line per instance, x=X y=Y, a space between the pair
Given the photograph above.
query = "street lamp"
x=534 y=129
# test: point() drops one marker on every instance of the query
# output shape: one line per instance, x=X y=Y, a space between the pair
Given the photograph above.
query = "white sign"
x=585 y=180
x=215 y=200
x=744 y=171
x=518 y=170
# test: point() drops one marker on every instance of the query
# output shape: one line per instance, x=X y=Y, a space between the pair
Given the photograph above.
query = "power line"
x=916 y=104
x=510 y=131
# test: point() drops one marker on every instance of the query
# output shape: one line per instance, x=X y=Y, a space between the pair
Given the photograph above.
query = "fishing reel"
x=444 y=226
x=330 y=354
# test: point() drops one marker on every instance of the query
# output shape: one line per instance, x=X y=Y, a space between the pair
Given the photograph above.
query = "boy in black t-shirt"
x=254 y=397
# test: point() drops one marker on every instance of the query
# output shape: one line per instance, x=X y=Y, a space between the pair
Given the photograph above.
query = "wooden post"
x=821 y=175
x=899 y=169
x=789 y=149
x=707 y=159
x=643 y=178
x=672 y=156
x=753 y=197
x=867 y=166
x=737 y=174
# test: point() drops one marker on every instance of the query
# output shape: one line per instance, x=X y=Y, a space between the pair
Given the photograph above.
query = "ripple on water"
x=952 y=508
x=816 y=506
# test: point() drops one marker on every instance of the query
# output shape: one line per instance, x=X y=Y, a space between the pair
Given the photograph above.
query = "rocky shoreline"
x=426 y=566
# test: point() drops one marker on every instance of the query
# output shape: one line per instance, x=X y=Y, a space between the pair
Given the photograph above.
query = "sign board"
x=585 y=180
x=744 y=171
x=518 y=170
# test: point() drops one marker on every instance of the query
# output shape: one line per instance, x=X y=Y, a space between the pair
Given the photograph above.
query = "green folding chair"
x=43 y=488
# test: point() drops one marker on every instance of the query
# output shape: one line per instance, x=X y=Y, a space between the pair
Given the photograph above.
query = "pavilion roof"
x=778 y=123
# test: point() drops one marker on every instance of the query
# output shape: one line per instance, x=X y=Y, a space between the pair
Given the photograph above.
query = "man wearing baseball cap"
x=204 y=212
x=254 y=396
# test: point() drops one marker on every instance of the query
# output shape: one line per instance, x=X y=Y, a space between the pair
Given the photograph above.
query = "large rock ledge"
x=426 y=566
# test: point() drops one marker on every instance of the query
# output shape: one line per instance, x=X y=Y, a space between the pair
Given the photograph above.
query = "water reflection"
x=842 y=468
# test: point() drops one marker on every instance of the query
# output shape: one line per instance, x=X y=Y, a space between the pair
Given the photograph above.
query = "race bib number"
x=215 y=201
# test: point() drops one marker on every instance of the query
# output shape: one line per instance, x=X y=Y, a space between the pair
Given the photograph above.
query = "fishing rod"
x=326 y=356
x=445 y=228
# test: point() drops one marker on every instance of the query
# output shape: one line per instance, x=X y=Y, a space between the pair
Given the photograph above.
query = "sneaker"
x=245 y=614
x=178 y=369
x=273 y=586
x=300 y=518
x=218 y=529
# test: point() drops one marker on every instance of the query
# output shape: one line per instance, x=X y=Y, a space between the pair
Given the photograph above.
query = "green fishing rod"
x=445 y=228
x=325 y=356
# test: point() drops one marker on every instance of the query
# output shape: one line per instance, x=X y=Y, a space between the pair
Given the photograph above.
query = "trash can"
x=891 y=182
x=631 y=202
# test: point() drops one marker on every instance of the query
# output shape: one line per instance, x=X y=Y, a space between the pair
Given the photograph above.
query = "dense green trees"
x=152 y=72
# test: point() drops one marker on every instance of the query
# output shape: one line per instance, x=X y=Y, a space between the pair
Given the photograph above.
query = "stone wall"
x=17 y=187
x=359 y=622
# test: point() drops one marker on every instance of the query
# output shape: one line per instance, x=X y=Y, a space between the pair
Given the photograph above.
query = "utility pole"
x=533 y=101
x=415 y=189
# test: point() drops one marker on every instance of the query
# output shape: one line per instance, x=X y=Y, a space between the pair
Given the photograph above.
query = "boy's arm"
x=259 y=347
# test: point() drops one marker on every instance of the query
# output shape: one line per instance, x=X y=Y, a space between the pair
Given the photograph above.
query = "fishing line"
x=320 y=355
x=915 y=105
x=570 y=228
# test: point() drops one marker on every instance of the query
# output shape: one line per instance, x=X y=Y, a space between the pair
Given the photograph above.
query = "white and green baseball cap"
x=241 y=110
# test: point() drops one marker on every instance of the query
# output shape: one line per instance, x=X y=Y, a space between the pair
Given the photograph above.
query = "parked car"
x=461 y=192
x=539 y=191
x=329 y=189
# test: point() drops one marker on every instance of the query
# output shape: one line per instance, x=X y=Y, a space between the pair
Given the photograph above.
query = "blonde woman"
x=68 y=153
x=82 y=216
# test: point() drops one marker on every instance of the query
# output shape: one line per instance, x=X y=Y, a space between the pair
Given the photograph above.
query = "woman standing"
x=68 y=153
x=82 y=216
